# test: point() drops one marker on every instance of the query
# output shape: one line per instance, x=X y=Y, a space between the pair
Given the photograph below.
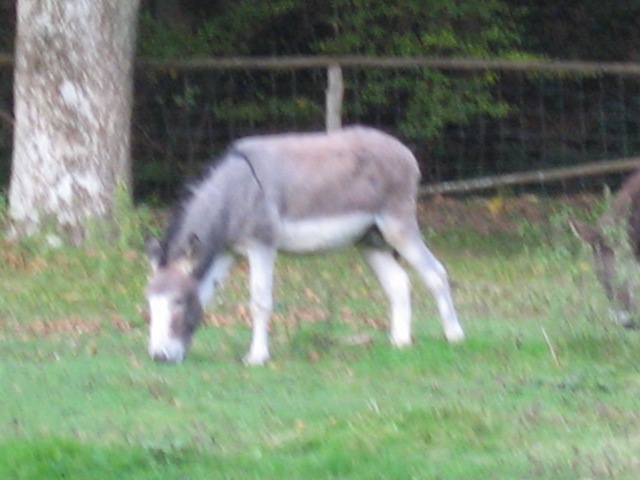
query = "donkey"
x=299 y=193
x=625 y=212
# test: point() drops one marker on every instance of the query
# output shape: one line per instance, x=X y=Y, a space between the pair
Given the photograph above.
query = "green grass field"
x=545 y=386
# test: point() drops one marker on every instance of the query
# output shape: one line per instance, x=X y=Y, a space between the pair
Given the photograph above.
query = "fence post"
x=335 y=92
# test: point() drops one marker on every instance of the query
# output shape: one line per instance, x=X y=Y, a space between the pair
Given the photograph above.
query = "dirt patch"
x=495 y=214
x=72 y=326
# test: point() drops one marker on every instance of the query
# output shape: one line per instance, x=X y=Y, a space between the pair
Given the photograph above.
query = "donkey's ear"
x=187 y=259
x=194 y=246
x=154 y=252
x=587 y=233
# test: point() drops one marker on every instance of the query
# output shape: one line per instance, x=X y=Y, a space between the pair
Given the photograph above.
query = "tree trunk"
x=73 y=93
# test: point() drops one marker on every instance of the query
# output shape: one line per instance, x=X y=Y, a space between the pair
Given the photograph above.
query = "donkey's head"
x=175 y=310
x=615 y=284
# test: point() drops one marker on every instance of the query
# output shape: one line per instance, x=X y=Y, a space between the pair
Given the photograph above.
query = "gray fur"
x=305 y=192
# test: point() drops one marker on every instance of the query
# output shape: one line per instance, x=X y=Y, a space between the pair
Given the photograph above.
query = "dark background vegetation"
x=465 y=124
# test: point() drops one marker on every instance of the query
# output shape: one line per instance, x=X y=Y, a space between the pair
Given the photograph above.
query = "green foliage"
x=232 y=28
x=586 y=30
x=158 y=40
x=125 y=228
x=247 y=27
x=472 y=28
x=131 y=224
x=60 y=458
x=556 y=234
x=431 y=99
x=424 y=101
x=4 y=208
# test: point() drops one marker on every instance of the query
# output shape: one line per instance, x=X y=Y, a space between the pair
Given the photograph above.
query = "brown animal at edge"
x=624 y=212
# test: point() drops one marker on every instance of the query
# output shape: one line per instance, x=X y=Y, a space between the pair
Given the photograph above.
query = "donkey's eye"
x=179 y=302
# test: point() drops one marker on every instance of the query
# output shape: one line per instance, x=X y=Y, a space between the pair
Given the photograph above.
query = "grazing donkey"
x=625 y=212
x=297 y=193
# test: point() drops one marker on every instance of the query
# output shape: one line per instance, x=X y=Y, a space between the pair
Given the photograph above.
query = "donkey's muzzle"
x=161 y=357
x=167 y=356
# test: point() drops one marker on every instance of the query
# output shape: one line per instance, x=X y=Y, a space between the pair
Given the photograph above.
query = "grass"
x=545 y=386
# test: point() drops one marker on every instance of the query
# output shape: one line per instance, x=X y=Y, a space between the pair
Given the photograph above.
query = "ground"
x=545 y=386
x=496 y=214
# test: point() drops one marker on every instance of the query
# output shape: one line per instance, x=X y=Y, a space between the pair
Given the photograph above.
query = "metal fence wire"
x=185 y=115
x=541 y=115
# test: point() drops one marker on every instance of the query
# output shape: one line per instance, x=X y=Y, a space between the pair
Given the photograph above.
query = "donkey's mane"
x=187 y=193
x=184 y=198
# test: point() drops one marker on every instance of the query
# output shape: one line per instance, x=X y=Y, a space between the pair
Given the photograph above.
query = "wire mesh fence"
x=552 y=121
x=182 y=119
x=535 y=117
x=464 y=119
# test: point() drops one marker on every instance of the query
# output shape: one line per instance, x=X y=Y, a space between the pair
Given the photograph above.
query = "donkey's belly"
x=311 y=235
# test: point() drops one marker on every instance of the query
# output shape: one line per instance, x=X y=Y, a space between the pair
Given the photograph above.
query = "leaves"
x=423 y=101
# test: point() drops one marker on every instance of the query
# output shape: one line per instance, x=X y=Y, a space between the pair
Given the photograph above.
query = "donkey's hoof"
x=255 y=360
x=401 y=342
x=625 y=319
x=454 y=335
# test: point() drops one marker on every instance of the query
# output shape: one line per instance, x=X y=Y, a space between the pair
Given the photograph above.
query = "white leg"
x=261 y=264
x=213 y=277
x=395 y=283
x=406 y=239
x=435 y=277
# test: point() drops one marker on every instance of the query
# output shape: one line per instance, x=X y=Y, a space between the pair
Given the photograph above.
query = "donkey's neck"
x=215 y=212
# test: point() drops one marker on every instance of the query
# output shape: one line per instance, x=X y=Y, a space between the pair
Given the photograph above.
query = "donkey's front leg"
x=214 y=277
x=261 y=263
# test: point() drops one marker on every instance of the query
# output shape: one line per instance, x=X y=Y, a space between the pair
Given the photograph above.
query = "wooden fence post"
x=335 y=92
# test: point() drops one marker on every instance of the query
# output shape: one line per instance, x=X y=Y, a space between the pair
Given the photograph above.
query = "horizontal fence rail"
x=325 y=61
x=345 y=61
x=540 y=176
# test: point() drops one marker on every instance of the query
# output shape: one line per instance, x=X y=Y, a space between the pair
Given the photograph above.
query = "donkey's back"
x=323 y=174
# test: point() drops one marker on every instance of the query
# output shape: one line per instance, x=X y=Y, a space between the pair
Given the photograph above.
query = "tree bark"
x=73 y=93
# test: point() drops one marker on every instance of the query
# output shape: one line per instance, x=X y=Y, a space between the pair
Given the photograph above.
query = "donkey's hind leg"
x=395 y=283
x=405 y=238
